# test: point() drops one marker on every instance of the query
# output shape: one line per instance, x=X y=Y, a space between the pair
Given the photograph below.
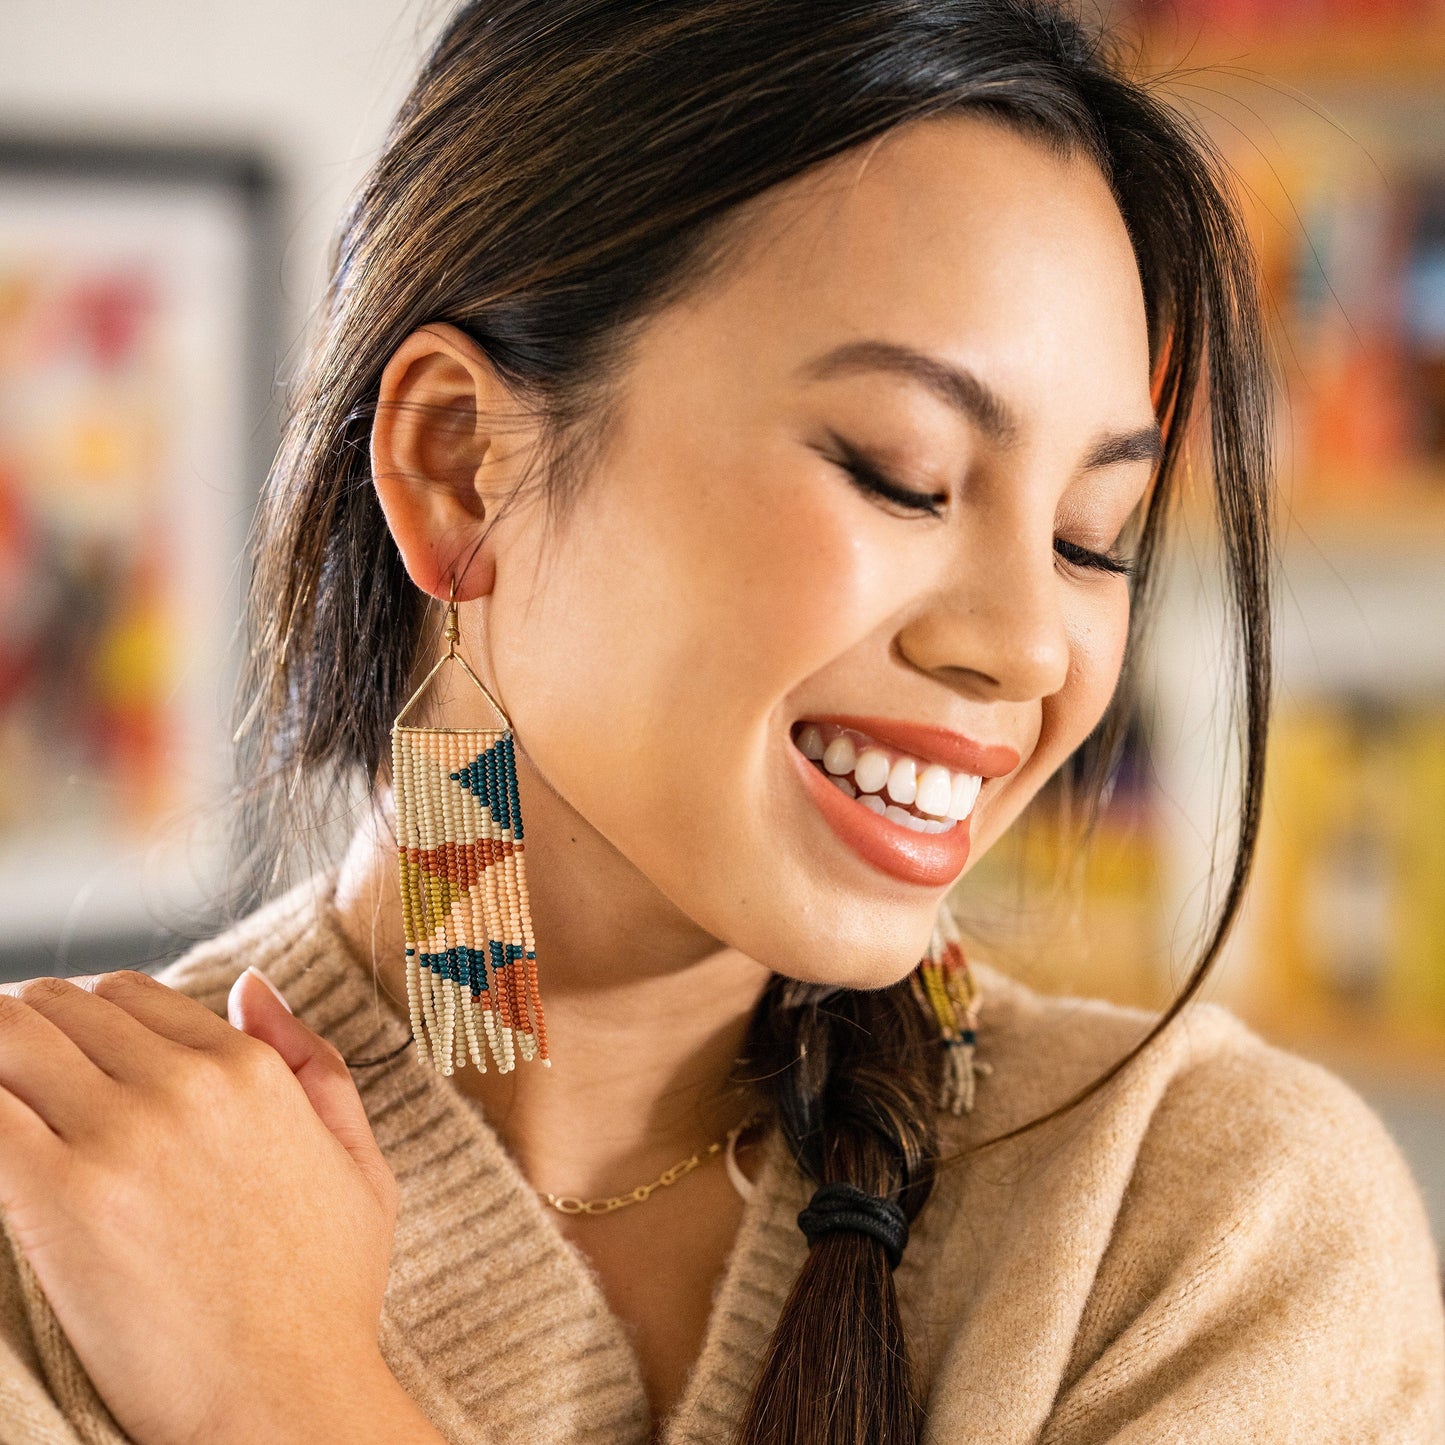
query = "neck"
x=646 y=1014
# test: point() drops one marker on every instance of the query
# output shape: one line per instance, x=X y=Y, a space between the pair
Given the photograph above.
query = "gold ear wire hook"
x=451 y=630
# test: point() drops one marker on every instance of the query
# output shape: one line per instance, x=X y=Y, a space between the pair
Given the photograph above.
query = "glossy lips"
x=931 y=858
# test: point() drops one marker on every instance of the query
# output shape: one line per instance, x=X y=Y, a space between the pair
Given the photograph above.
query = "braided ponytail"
x=855 y=1077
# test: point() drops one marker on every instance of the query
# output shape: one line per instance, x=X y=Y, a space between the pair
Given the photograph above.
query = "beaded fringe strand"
x=946 y=989
x=471 y=962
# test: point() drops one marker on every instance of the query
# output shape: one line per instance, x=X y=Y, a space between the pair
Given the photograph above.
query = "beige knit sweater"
x=1225 y=1246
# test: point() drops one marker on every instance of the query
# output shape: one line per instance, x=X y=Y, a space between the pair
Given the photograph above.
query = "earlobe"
x=432 y=439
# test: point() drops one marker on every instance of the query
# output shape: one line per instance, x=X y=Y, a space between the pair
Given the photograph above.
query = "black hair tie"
x=845 y=1206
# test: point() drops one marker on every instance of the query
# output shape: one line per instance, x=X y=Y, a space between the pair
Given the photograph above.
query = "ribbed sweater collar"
x=493 y=1321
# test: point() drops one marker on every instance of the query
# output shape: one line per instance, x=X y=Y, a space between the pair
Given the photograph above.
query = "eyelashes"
x=1098 y=561
x=873 y=484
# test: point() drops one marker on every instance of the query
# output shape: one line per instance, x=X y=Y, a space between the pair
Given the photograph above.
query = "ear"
x=436 y=457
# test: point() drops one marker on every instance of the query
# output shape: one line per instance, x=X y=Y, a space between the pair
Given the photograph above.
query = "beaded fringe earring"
x=471 y=963
x=946 y=989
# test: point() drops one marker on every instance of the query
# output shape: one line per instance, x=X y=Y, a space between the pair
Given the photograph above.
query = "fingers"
x=63 y=1040
x=31 y=1154
x=260 y=1011
x=165 y=1011
x=46 y=1070
x=108 y=1034
x=21 y=1126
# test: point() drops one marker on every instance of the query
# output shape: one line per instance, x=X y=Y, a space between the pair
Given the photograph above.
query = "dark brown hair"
x=560 y=171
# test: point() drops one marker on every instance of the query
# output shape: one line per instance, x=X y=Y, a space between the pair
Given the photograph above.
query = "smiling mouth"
x=905 y=789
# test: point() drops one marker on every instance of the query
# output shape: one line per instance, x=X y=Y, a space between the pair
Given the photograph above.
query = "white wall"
x=310 y=85
x=314 y=82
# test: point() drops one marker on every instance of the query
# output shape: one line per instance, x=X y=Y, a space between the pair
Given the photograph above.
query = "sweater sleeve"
x=1271 y=1274
x=45 y=1396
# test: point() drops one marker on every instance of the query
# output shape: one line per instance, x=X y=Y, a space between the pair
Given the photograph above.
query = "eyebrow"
x=965 y=393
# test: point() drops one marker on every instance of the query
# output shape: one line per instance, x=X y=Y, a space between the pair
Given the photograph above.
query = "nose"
x=995 y=627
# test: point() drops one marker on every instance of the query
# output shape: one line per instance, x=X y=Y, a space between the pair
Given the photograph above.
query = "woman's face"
x=956 y=312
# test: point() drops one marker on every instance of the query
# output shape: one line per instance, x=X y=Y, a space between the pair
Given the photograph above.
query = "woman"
x=791 y=401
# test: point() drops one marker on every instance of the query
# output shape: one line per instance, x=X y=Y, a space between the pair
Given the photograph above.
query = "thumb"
x=256 y=1007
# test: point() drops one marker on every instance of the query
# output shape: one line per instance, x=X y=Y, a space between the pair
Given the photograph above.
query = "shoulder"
x=285 y=939
x=1208 y=1111
x=1243 y=1225
x=1207 y=1090
x=1207 y=1077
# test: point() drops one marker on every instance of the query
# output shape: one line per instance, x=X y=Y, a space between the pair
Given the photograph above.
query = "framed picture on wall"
x=135 y=365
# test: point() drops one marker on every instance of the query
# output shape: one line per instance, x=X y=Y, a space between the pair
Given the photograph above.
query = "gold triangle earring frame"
x=471 y=961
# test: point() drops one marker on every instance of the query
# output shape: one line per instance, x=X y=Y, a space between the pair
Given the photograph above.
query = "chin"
x=851 y=944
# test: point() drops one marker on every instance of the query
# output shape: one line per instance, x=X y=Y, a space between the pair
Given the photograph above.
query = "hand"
x=205 y=1208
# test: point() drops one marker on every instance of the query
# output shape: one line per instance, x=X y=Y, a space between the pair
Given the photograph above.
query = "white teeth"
x=840 y=755
x=871 y=770
x=910 y=820
x=935 y=790
x=964 y=794
x=946 y=798
x=903 y=781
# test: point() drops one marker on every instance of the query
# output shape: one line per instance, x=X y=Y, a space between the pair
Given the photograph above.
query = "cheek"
x=671 y=615
x=1098 y=629
x=1096 y=655
x=766 y=581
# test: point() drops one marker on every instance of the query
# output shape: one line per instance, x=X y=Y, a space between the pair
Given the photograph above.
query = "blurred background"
x=170 y=173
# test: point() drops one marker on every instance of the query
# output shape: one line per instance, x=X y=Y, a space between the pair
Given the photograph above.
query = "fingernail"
x=272 y=987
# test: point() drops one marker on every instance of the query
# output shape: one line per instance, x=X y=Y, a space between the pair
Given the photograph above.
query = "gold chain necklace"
x=569 y=1204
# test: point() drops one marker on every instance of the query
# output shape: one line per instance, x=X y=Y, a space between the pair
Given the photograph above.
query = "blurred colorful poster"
x=127 y=469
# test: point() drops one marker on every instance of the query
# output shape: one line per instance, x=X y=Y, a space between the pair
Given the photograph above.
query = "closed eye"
x=872 y=483
x=1097 y=561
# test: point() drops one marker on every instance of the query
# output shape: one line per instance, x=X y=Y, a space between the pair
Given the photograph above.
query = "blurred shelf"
x=1402 y=510
x=1368 y=1053
x=1384 y=53
x=1408 y=517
